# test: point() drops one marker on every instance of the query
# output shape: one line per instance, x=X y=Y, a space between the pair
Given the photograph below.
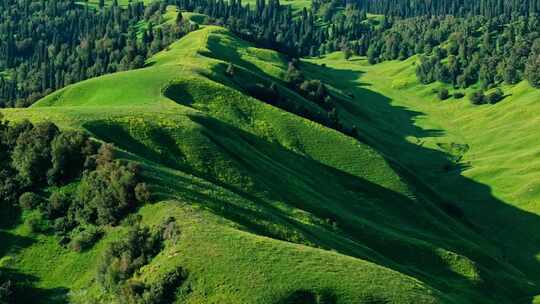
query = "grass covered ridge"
x=271 y=207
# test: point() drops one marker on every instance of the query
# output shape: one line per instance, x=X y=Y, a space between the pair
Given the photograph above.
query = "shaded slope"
x=482 y=158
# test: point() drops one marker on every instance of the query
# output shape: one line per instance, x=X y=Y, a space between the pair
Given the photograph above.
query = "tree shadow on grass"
x=10 y=216
x=228 y=52
x=23 y=289
x=388 y=128
x=11 y=244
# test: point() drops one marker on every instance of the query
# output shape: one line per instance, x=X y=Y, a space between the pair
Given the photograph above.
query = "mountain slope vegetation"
x=487 y=145
x=272 y=207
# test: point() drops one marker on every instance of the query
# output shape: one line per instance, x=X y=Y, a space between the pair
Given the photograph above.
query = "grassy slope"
x=494 y=148
x=244 y=177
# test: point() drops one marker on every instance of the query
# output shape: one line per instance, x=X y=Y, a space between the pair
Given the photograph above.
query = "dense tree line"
x=272 y=25
x=66 y=183
x=457 y=50
x=46 y=45
x=478 y=50
x=488 y=8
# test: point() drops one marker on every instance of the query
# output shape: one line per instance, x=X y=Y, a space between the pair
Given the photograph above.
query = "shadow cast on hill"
x=23 y=289
x=388 y=128
x=364 y=209
x=434 y=176
x=229 y=53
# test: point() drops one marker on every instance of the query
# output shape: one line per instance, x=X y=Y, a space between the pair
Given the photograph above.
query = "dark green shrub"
x=269 y=95
x=84 y=237
x=443 y=94
x=62 y=225
x=31 y=156
x=37 y=223
x=30 y=200
x=105 y=195
x=495 y=96
x=142 y=193
x=125 y=256
x=477 y=98
x=69 y=151
x=458 y=95
x=58 y=204
x=164 y=290
x=308 y=296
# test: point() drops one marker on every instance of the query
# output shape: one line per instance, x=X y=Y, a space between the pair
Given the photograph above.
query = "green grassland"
x=493 y=149
x=270 y=203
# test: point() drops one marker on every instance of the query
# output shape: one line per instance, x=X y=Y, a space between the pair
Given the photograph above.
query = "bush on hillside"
x=123 y=257
x=30 y=200
x=169 y=230
x=142 y=193
x=294 y=77
x=37 y=223
x=59 y=203
x=495 y=96
x=69 y=151
x=162 y=291
x=31 y=156
x=477 y=98
x=269 y=95
x=84 y=237
x=458 y=95
x=443 y=94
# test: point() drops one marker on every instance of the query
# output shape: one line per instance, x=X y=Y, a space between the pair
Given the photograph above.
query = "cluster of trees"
x=489 y=8
x=31 y=157
x=324 y=110
x=480 y=51
x=316 y=91
x=125 y=257
x=275 y=26
x=461 y=42
x=478 y=97
x=46 y=45
x=479 y=48
x=38 y=161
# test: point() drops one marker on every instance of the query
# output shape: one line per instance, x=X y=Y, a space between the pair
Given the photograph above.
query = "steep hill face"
x=275 y=208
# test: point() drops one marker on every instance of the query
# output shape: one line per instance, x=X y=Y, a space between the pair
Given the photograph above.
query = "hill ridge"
x=269 y=173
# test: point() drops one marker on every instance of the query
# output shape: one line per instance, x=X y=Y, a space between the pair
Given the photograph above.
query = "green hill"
x=275 y=208
x=491 y=147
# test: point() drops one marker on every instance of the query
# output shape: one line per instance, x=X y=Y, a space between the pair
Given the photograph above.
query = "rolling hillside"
x=275 y=208
x=492 y=148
